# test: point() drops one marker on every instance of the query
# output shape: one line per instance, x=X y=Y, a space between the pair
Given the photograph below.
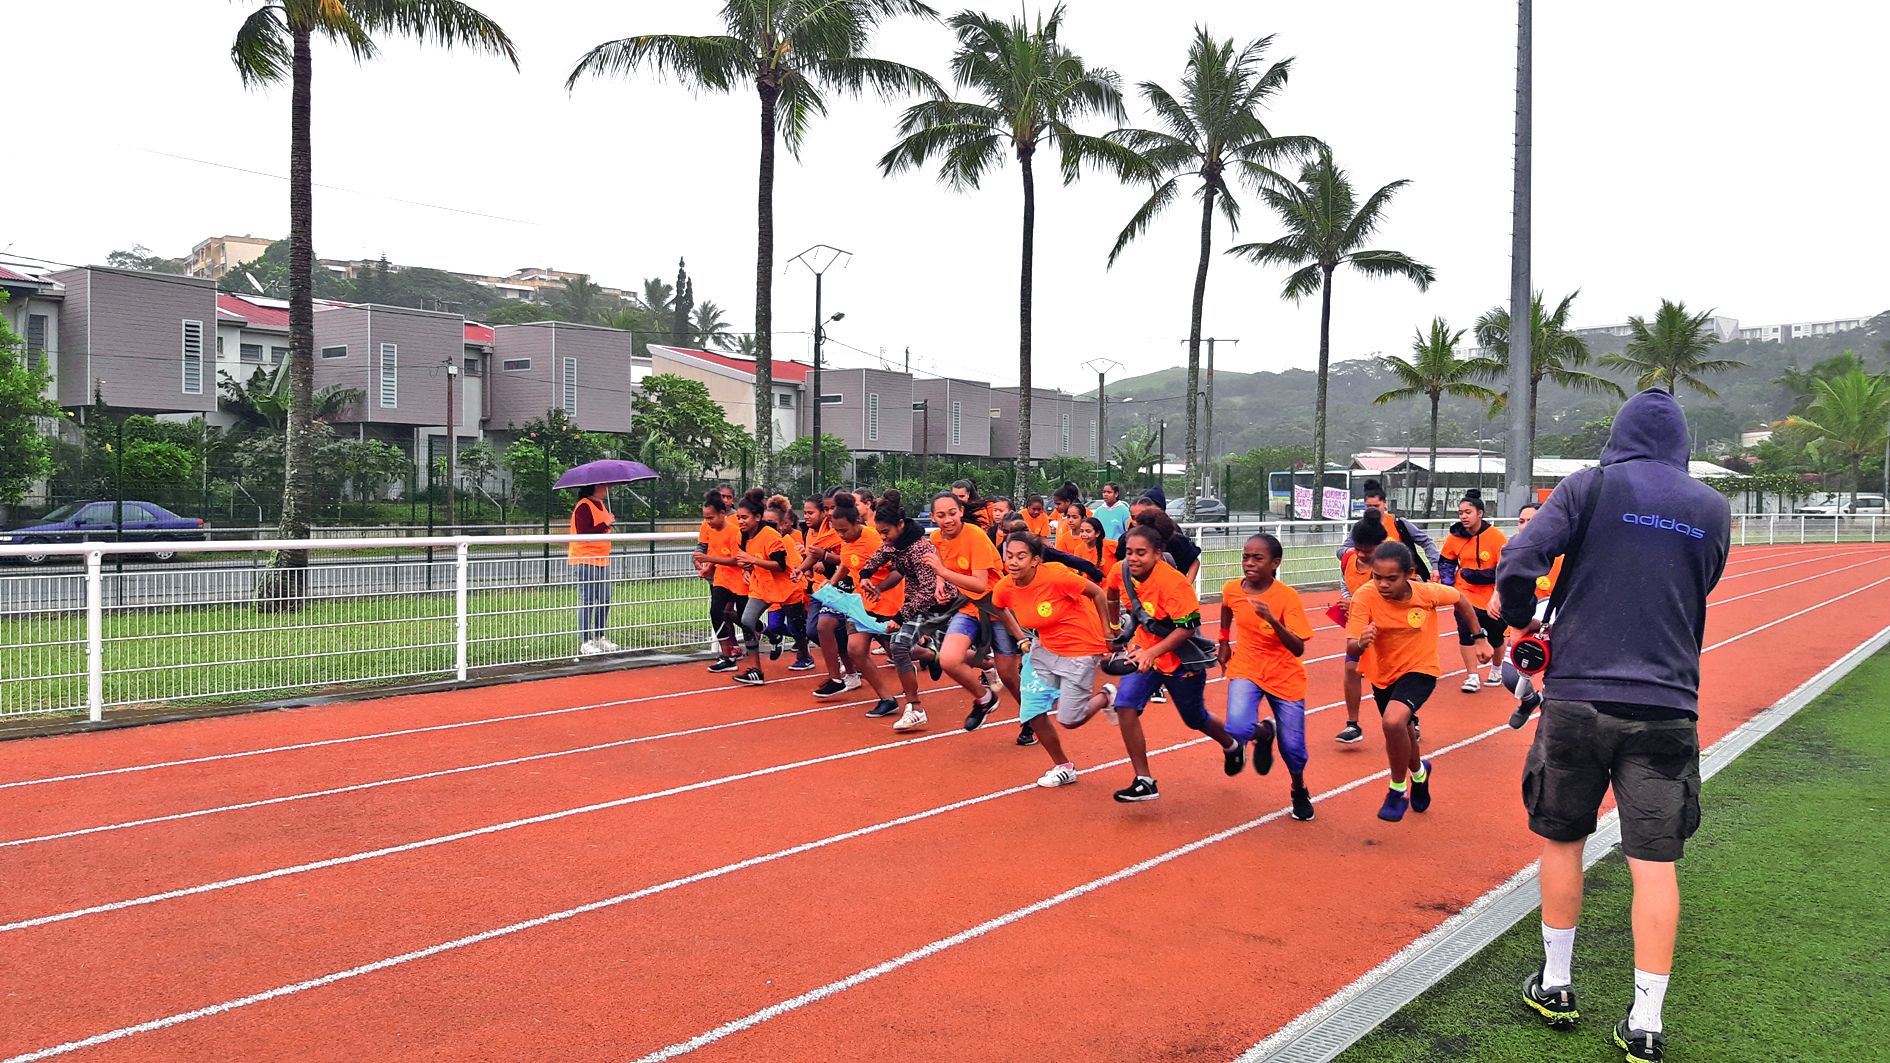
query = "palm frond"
x=1303 y=282
x=716 y=63
x=261 y=51
x=1081 y=149
x=855 y=75
x=1392 y=264
x=448 y=23
x=1157 y=202
x=800 y=102
x=1370 y=214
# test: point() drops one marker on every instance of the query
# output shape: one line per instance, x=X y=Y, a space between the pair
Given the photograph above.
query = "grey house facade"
x=145 y=341
x=874 y=414
x=550 y=365
x=957 y=417
x=395 y=356
x=1060 y=426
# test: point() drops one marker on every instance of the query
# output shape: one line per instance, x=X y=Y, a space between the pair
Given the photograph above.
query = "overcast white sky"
x=1718 y=153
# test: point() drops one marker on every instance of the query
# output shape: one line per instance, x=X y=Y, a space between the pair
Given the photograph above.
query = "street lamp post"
x=452 y=443
x=819 y=259
x=923 y=408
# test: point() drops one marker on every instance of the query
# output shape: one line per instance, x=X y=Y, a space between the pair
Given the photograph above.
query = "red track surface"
x=1201 y=955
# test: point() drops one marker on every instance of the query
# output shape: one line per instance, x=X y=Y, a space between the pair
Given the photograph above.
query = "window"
x=390 y=376
x=515 y=365
x=1066 y=433
x=277 y=355
x=787 y=400
x=335 y=352
x=219 y=346
x=472 y=367
x=872 y=415
x=957 y=424
x=570 y=387
x=136 y=514
x=250 y=352
x=193 y=357
x=36 y=341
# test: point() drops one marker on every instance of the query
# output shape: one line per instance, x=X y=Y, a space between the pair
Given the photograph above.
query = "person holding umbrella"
x=590 y=560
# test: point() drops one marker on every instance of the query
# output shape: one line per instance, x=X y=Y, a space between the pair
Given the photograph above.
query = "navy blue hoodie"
x=1634 y=617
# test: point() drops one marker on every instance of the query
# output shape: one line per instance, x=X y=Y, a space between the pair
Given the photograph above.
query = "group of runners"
x=1077 y=611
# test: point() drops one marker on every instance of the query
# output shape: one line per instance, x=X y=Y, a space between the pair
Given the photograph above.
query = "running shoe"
x=1160 y=697
x=1026 y=736
x=852 y=680
x=750 y=678
x=606 y=646
x=1232 y=760
x=979 y=710
x=1351 y=735
x=726 y=664
x=801 y=664
x=1471 y=684
x=1421 y=791
x=1396 y=801
x=1142 y=789
x=932 y=668
x=883 y=707
x=774 y=647
x=589 y=648
x=1109 y=707
x=1302 y=804
x=991 y=680
x=832 y=688
x=1061 y=775
x=1495 y=677
x=1263 y=747
x=1640 y=1046
x=1556 y=1005
x=912 y=720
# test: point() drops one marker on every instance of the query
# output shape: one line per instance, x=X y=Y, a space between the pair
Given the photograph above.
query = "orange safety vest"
x=590 y=553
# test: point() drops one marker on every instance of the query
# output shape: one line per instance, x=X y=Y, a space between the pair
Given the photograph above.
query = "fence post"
x=1771 y=529
x=1802 y=521
x=459 y=609
x=95 y=635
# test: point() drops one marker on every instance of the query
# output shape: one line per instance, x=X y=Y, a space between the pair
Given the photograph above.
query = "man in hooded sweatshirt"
x=1622 y=690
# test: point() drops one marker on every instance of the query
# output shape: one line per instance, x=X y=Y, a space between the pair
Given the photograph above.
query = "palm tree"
x=793 y=52
x=274 y=42
x=1029 y=90
x=708 y=329
x=658 y=296
x=262 y=401
x=1556 y=354
x=583 y=299
x=1849 y=419
x=1135 y=452
x=743 y=345
x=1433 y=371
x=1325 y=228
x=1214 y=124
x=1672 y=351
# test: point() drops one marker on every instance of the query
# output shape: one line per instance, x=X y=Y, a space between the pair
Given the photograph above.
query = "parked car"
x=1833 y=505
x=79 y=522
x=1206 y=510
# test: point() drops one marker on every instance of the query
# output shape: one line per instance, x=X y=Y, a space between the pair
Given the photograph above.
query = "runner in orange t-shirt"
x=717 y=542
x=966 y=560
x=852 y=541
x=766 y=554
x=1392 y=629
x=1470 y=555
x=1035 y=518
x=1355 y=571
x=1263 y=633
x=1065 y=611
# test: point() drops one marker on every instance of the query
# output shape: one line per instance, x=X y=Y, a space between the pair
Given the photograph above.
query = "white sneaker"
x=1471 y=684
x=590 y=648
x=991 y=680
x=851 y=681
x=1496 y=675
x=912 y=720
x=878 y=650
x=607 y=646
x=1109 y=707
x=1061 y=775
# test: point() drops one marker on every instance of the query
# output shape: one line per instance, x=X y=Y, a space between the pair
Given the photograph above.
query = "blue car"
x=79 y=522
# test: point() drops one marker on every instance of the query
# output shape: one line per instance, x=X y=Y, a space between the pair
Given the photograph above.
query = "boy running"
x=1355 y=571
x=1268 y=627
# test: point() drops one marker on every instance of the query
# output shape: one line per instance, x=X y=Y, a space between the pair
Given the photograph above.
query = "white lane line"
x=1796 y=615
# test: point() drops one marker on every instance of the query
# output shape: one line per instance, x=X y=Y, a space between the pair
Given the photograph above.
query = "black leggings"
x=725 y=612
x=1493 y=629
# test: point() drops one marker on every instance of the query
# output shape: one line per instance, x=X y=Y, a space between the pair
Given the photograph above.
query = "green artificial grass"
x=1784 y=951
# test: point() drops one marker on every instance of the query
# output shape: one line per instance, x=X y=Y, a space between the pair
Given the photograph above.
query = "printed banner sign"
x=1302 y=503
x=1338 y=503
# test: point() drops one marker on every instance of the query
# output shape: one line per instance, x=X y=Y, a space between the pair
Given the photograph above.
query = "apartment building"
x=871 y=409
x=583 y=370
x=731 y=383
x=1723 y=329
x=956 y=419
x=32 y=312
x=144 y=341
x=1801 y=329
x=217 y=255
x=1060 y=425
x=397 y=358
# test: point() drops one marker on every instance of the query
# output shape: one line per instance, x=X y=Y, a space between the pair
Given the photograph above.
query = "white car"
x=1834 y=505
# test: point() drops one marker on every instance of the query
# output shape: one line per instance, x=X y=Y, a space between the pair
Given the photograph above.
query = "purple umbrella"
x=607 y=471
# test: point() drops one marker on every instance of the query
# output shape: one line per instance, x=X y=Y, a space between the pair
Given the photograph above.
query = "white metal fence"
x=96 y=628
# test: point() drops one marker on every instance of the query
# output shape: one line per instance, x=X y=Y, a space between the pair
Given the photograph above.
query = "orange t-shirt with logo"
x=1351 y=573
x=1054 y=605
x=854 y=554
x=824 y=539
x=724 y=543
x=1039 y=525
x=774 y=588
x=968 y=554
x=1259 y=655
x=1481 y=551
x=1545 y=585
x=1166 y=595
x=1407 y=631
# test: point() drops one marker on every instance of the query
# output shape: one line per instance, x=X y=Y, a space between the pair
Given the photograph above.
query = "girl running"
x=1035 y=517
x=849 y=539
x=1093 y=544
x=1355 y=571
x=1179 y=550
x=966 y=561
x=1392 y=629
x=718 y=540
x=905 y=554
x=1470 y=554
x=977 y=510
x=1066 y=613
x=1174 y=612
x=1268 y=627
x=816 y=540
x=765 y=553
x=1068 y=504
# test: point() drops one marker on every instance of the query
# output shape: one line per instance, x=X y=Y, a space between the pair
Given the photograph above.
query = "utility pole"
x=819 y=259
x=924 y=409
x=1207 y=443
x=1161 y=457
x=1102 y=367
x=1519 y=454
x=452 y=442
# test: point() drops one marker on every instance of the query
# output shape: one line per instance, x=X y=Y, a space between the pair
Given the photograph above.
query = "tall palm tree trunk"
x=1021 y=476
x=1319 y=400
x=284 y=585
x=1430 y=483
x=764 y=291
x=1194 y=347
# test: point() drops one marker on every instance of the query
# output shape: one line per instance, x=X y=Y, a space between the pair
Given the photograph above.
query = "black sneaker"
x=979 y=710
x=774 y=647
x=932 y=668
x=1351 y=735
x=1232 y=760
x=1641 y=1046
x=1523 y=709
x=1421 y=791
x=1026 y=736
x=726 y=664
x=1556 y=1006
x=1160 y=697
x=832 y=688
x=1140 y=790
x=801 y=664
x=883 y=707
x=1302 y=804
x=750 y=678
x=1263 y=747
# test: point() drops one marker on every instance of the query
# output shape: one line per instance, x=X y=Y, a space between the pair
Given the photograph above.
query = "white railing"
x=114 y=632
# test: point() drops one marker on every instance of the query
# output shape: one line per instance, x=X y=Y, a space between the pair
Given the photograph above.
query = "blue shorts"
x=1002 y=643
x=1185 y=690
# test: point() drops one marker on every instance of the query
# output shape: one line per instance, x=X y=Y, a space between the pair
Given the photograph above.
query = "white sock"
x=1650 y=991
x=1558 y=951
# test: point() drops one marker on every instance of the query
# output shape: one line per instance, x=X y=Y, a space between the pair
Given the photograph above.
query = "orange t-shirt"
x=1104 y=559
x=1545 y=585
x=1039 y=525
x=1481 y=551
x=1259 y=656
x=1407 y=631
x=1166 y=595
x=970 y=553
x=1349 y=570
x=824 y=539
x=854 y=554
x=774 y=588
x=1055 y=607
x=724 y=543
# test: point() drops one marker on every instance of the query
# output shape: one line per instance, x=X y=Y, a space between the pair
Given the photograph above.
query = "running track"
x=651 y=864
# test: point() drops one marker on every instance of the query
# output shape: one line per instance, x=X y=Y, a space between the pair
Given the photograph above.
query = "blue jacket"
x=1634 y=617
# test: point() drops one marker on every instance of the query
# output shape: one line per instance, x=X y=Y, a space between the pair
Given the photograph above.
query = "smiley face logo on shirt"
x=965 y=563
x=1043 y=609
x=1484 y=556
x=1415 y=618
x=1542 y=583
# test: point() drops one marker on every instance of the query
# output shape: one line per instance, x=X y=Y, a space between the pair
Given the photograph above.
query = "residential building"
x=1801 y=329
x=32 y=311
x=478 y=369
x=1060 y=425
x=956 y=420
x=731 y=383
x=252 y=334
x=1723 y=328
x=872 y=412
x=397 y=358
x=218 y=255
x=144 y=341
x=583 y=370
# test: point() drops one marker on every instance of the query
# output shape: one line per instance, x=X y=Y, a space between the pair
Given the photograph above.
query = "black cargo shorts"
x=1653 y=765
